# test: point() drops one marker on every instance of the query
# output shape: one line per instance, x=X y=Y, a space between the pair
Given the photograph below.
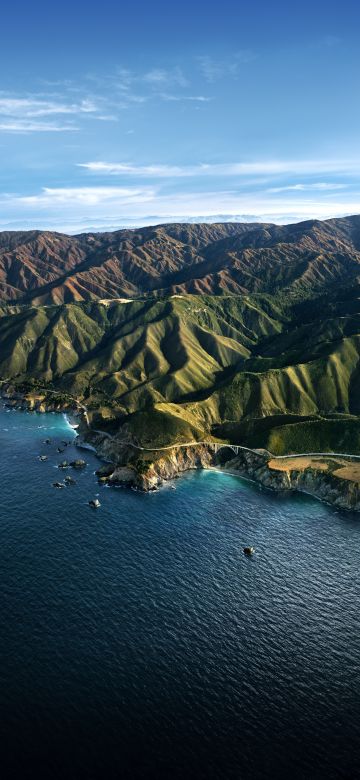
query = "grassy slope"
x=160 y=350
x=173 y=369
x=285 y=434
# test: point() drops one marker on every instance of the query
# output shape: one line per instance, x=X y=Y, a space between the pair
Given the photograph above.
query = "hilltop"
x=259 y=369
x=41 y=268
x=178 y=333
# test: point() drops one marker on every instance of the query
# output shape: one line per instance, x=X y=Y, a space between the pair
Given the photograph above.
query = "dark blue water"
x=138 y=641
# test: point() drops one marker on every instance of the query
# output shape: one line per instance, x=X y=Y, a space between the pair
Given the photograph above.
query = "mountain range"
x=247 y=332
x=41 y=267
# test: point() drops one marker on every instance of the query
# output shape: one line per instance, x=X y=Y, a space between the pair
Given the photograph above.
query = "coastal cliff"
x=318 y=479
x=328 y=478
x=145 y=470
x=324 y=478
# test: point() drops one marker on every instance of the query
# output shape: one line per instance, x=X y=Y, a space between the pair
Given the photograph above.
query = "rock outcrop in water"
x=146 y=470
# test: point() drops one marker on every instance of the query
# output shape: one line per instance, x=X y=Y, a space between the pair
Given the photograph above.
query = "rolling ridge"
x=229 y=258
x=199 y=361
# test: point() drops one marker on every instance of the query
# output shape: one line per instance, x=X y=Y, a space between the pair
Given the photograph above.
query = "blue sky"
x=134 y=113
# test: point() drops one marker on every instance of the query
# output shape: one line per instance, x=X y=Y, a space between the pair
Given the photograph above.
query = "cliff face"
x=147 y=470
x=172 y=464
x=343 y=493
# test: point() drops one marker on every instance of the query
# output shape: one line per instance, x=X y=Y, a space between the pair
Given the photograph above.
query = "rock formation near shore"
x=147 y=471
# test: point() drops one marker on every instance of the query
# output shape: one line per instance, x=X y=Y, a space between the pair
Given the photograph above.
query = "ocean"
x=138 y=641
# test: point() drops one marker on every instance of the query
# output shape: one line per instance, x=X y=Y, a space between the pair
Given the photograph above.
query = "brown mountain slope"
x=43 y=267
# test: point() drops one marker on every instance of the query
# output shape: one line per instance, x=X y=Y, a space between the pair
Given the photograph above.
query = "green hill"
x=265 y=370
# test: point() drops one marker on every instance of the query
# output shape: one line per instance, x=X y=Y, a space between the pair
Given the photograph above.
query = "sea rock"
x=105 y=471
x=121 y=475
x=78 y=463
x=137 y=469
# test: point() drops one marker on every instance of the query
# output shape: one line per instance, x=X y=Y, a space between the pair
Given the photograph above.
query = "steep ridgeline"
x=250 y=368
x=230 y=258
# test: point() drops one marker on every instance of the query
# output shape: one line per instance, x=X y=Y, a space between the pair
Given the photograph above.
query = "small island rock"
x=78 y=464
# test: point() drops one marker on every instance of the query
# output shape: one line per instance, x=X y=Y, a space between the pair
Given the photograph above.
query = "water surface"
x=138 y=641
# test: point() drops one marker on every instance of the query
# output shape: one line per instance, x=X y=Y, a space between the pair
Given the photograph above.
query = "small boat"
x=249 y=550
x=95 y=503
x=43 y=457
x=69 y=481
x=58 y=485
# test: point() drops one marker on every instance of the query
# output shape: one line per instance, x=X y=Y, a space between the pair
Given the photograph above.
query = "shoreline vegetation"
x=332 y=478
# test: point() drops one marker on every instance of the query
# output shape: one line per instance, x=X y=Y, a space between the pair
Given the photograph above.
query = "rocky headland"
x=335 y=480
x=37 y=401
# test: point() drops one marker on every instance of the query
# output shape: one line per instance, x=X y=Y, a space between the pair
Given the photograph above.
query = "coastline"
x=124 y=463
x=299 y=490
x=43 y=402
x=253 y=465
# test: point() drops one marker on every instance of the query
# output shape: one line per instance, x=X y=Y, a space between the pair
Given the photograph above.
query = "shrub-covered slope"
x=192 y=366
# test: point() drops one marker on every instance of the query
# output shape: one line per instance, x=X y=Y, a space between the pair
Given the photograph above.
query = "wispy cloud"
x=176 y=98
x=161 y=76
x=83 y=196
x=36 y=113
x=92 y=207
x=128 y=169
x=318 y=186
x=214 y=69
x=254 y=168
x=79 y=208
x=129 y=87
x=34 y=107
x=31 y=126
x=64 y=109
